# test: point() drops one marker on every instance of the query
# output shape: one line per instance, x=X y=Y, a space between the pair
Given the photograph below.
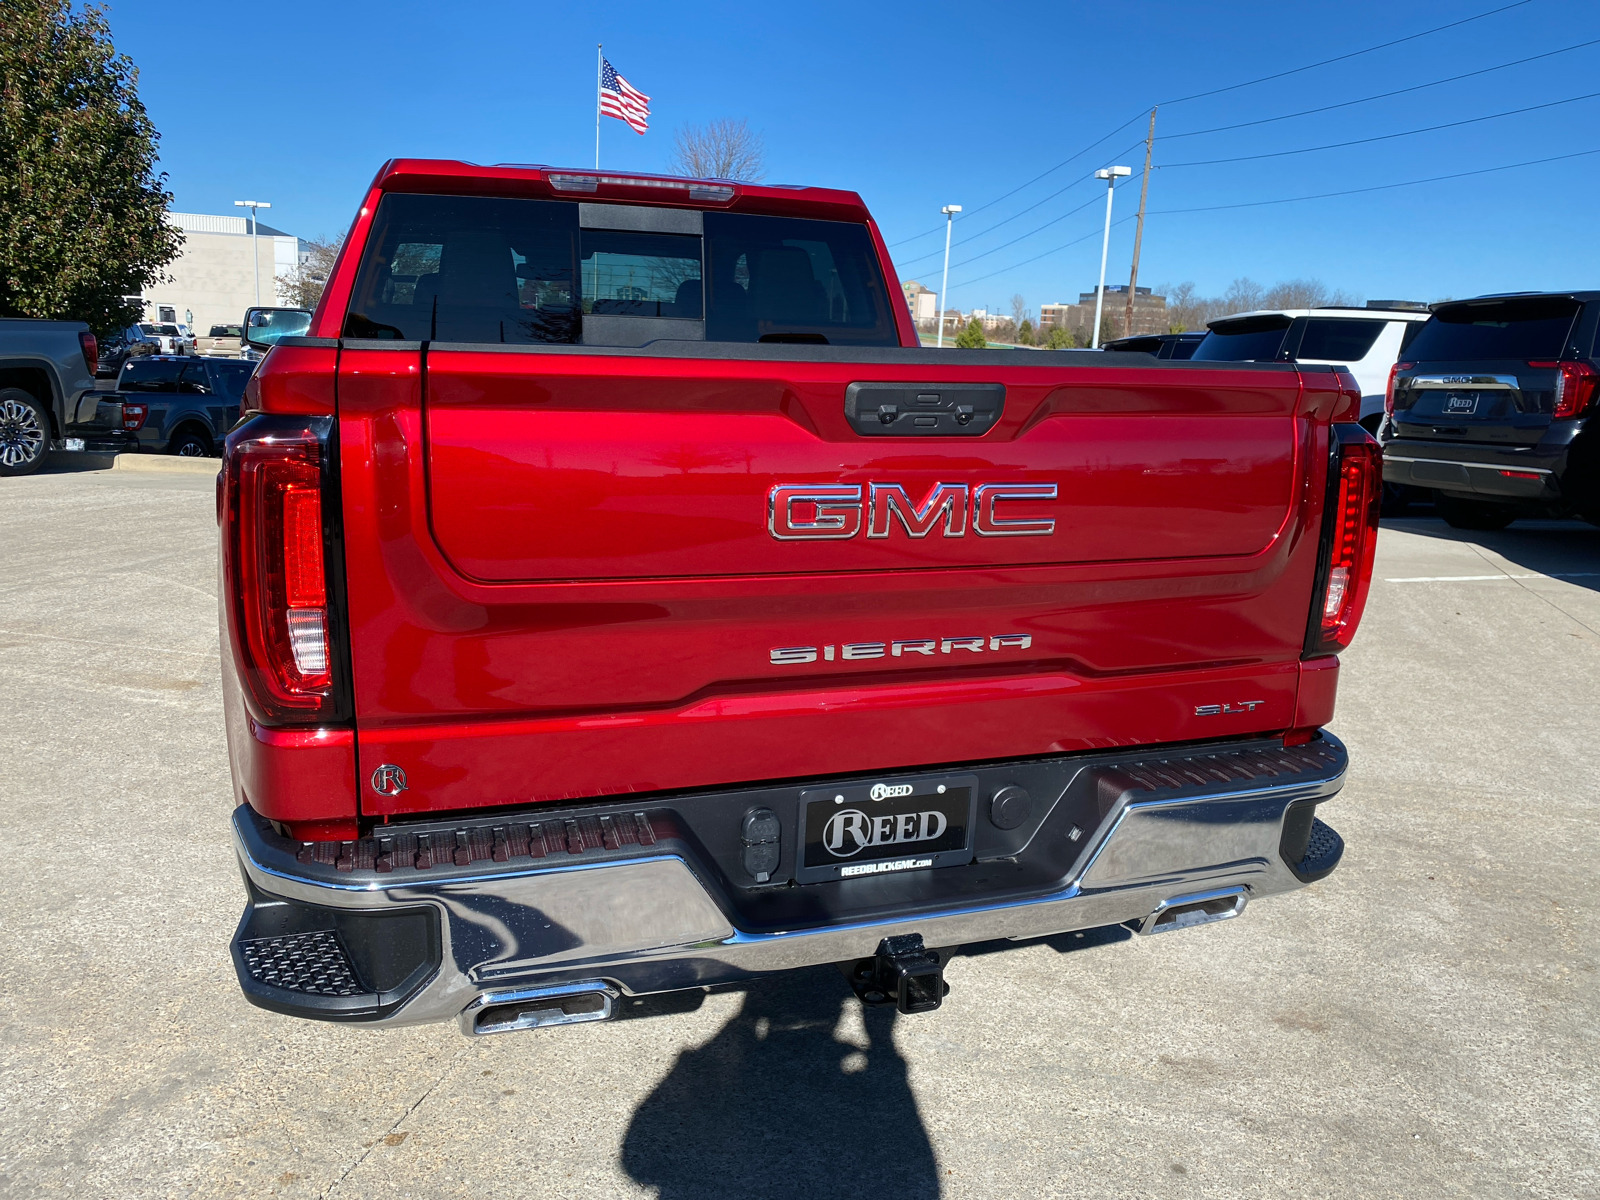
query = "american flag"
x=619 y=100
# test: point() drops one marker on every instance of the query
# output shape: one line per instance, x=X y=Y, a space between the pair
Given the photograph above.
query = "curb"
x=167 y=464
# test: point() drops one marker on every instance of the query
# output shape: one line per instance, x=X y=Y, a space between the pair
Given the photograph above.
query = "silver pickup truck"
x=47 y=396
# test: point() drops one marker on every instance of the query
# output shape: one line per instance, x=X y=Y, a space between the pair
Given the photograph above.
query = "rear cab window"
x=480 y=269
x=149 y=375
x=1520 y=328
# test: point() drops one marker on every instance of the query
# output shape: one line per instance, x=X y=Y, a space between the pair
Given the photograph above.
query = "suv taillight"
x=1350 y=540
x=278 y=511
x=91 y=351
x=1575 y=388
x=1388 y=392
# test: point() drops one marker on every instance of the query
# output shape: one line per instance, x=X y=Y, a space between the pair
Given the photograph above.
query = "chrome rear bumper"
x=653 y=918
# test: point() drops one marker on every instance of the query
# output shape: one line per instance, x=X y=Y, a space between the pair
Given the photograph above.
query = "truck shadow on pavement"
x=1566 y=550
x=780 y=1103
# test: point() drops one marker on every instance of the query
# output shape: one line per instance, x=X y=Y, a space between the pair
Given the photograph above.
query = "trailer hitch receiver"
x=904 y=973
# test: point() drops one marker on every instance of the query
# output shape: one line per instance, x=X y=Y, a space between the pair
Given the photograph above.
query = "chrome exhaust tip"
x=1197 y=908
x=511 y=1009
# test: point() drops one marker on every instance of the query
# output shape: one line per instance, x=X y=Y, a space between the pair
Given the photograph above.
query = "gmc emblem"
x=834 y=511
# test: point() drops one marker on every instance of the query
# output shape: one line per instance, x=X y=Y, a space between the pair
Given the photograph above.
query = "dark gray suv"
x=1493 y=409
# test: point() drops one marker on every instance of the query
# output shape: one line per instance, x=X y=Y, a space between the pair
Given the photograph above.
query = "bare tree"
x=720 y=149
x=302 y=287
x=1019 y=310
x=1244 y=295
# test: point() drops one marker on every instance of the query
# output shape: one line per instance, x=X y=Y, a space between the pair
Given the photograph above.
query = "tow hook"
x=904 y=973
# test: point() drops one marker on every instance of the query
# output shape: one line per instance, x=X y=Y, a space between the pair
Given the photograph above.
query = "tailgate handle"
x=924 y=409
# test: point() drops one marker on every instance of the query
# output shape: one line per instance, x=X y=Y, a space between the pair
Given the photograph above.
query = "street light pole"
x=949 y=211
x=255 y=242
x=1110 y=175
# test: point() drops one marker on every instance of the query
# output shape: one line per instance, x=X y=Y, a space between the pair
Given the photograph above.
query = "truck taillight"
x=1388 y=393
x=133 y=416
x=1350 y=540
x=91 y=351
x=277 y=531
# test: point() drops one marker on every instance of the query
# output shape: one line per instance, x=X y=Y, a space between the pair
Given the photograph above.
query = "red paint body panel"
x=562 y=584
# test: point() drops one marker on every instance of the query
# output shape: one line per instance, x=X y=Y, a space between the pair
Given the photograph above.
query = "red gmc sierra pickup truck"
x=618 y=600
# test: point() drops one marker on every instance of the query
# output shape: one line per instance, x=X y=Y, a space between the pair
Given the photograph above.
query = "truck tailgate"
x=577 y=573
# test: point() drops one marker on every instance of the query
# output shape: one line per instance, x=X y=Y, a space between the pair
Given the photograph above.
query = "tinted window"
x=1251 y=339
x=468 y=269
x=1519 y=329
x=1335 y=339
x=228 y=379
x=476 y=269
x=194 y=380
x=641 y=274
x=149 y=375
x=1413 y=328
x=778 y=279
x=224 y=331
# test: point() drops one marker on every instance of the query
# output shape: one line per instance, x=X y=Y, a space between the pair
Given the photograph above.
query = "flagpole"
x=599 y=74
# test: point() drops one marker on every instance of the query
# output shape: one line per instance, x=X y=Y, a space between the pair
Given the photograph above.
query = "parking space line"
x=1502 y=575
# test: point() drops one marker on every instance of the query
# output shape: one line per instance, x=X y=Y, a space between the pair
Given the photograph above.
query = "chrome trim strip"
x=1456 y=382
x=1450 y=462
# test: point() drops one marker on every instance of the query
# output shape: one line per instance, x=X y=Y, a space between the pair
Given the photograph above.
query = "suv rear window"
x=480 y=269
x=1245 y=339
x=1338 y=339
x=1521 y=328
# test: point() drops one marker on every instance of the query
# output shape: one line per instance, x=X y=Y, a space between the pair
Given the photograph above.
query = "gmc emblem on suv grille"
x=838 y=511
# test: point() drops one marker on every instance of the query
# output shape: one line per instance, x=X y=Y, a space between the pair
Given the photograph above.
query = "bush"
x=972 y=337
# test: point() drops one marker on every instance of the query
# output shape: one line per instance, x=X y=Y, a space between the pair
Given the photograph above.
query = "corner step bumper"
x=418 y=922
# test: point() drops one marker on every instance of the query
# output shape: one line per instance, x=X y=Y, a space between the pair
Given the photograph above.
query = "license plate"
x=1457 y=404
x=886 y=826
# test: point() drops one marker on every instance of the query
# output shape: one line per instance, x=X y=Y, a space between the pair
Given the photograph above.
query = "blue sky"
x=924 y=105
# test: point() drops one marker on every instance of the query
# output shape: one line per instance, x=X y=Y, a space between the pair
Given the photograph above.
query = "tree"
x=1059 y=339
x=1019 y=310
x=721 y=149
x=1025 y=332
x=302 y=287
x=82 y=209
x=972 y=337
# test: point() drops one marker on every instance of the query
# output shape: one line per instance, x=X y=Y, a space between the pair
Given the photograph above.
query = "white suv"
x=1365 y=340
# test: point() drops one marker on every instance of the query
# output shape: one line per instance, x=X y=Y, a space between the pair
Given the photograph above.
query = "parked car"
x=1494 y=409
x=1162 y=345
x=1366 y=341
x=166 y=336
x=128 y=342
x=222 y=342
x=186 y=339
x=593 y=445
x=182 y=406
x=47 y=395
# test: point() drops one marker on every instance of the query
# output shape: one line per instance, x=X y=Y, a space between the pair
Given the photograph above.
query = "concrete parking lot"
x=1422 y=1023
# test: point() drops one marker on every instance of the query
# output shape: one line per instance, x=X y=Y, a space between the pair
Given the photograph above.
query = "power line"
x=1214 y=92
x=1381 y=187
x=1001 y=270
x=1233 y=87
x=1030 y=183
x=1306 y=112
x=1383 y=137
x=1020 y=212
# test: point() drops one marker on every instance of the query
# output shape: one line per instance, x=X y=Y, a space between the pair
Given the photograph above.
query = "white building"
x=215 y=278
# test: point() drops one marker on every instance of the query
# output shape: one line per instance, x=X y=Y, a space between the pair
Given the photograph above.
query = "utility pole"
x=949 y=211
x=1138 y=231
